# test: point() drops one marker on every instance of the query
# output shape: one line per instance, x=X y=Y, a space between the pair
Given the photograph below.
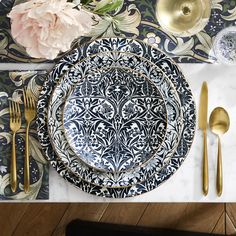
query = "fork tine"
x=14 y=107
x=18 y=109
x=28 y=99
x=24 y=96
x=32 y=102
x=15 y=111
x=18 y=112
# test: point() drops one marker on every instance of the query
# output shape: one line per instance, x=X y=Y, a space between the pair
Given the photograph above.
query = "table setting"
x=115 y=96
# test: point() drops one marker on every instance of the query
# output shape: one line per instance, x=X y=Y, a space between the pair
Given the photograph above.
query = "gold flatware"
x=30 y=114
x=15 y=124
x=202 y=122
x=219 y=124
x=183 y=17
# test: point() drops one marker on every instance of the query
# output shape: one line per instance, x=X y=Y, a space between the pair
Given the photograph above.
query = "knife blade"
x=203 y=109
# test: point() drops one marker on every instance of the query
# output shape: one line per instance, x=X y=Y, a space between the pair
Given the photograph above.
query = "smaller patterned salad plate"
x=115 y=120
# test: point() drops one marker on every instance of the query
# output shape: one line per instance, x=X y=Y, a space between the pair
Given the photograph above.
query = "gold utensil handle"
x=13 y=164
x=219 y=178
x=205 y=165
x=26 y=164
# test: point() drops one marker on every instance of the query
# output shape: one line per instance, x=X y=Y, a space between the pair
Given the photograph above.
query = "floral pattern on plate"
x=56 y=128
x=188 y=107
x=115 y=119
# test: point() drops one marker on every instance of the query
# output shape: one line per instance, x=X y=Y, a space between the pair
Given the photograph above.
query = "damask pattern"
x=172 y=72
x=115 y=119
x=56 y=128
x=140 y=16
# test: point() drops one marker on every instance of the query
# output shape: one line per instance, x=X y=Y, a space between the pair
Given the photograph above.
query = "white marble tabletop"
x=186 y=184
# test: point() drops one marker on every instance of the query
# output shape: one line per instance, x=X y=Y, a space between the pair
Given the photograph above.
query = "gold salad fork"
x=15 y=124
x=30 y=114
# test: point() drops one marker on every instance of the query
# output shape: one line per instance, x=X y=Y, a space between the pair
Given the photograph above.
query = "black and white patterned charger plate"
x=56 y=128
x=173 y=73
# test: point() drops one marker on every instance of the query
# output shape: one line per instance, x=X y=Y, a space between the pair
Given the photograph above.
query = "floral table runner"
x=11 y=84
x=135 y=19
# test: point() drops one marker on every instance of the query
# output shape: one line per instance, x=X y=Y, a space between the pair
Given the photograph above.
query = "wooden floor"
x=51 y=219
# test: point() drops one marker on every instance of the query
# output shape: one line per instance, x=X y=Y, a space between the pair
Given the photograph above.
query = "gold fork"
x=30 y=114
x=15 y=124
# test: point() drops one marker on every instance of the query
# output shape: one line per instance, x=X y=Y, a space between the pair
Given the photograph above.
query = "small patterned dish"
x=225 y=46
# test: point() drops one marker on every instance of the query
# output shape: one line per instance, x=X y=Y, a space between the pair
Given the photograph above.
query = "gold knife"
x=202 y=122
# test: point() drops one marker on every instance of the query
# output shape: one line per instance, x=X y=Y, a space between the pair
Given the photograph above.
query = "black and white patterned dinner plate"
x=149 y=166
x=171 y=70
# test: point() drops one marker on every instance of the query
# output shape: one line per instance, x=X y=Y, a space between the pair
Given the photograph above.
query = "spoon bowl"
x=219 y=121
x=219 y=124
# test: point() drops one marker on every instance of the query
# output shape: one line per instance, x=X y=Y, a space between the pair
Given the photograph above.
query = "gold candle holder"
x=183 y=18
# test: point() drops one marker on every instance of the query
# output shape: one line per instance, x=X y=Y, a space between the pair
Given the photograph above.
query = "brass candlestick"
x=183 y=18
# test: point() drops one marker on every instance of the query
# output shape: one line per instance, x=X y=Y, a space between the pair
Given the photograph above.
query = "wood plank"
x=162 y=215
x=231 y=212
x=10 y=215
x=220 y=225
x=189 y=217
x=82 y=211
x=201 y=217
x=40 y=219
x=230 y=228
x=124 y=213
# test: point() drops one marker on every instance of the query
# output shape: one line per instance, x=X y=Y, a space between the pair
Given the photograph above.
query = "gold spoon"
x=219 y=124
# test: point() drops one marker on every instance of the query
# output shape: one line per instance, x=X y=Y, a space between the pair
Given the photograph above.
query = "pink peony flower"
x=47 y=27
